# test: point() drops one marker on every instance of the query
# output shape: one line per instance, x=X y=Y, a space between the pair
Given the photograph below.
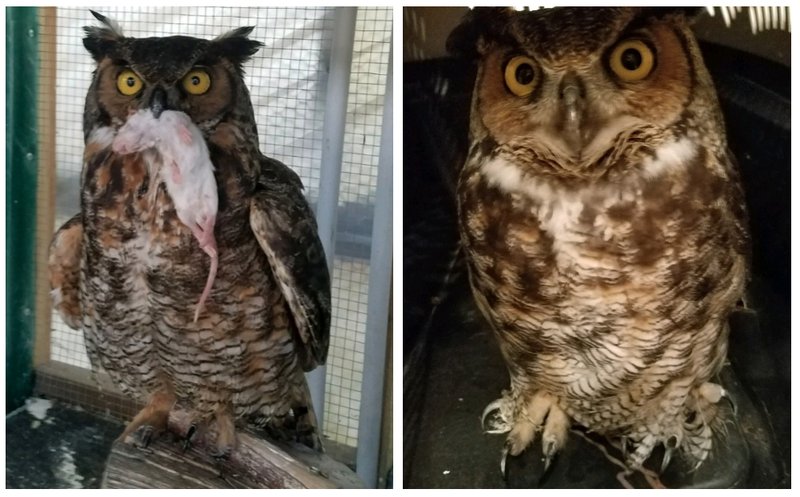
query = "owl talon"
x=494 y=406
x=147 y=436
x=670 y=446
x=187 y=441
x=497 y=423
x=555 y=433
x=727 y=396
x=550 y=453
x=504 y=459
x=550 y=450
x=548 y=469
x=667 y=458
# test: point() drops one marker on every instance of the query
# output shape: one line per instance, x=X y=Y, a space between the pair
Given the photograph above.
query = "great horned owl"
x=604 y=225
x=129 y=273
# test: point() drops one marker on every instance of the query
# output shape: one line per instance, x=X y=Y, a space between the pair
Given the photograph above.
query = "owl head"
x=199 y=77
x=572 y=91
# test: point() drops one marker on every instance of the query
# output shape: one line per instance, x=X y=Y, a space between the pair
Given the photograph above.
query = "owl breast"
x=602 y=293
x=143 y=271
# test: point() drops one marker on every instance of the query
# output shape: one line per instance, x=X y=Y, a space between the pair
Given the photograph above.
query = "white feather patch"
x=670 y=157
x=558 y=212
x=102 y=136
x=501 y=173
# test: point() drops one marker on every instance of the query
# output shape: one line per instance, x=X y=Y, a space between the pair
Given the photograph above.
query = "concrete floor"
x=51 y=444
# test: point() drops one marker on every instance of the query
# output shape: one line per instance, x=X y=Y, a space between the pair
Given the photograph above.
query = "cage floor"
x=465 y=372
x=54 y=445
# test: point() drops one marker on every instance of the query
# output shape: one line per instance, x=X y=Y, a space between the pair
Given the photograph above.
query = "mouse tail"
x=212 y=274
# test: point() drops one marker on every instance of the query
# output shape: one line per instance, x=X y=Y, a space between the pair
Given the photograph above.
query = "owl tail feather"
x=307 y=428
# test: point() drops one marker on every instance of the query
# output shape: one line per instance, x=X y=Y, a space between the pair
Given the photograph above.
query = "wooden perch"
x=255 y=463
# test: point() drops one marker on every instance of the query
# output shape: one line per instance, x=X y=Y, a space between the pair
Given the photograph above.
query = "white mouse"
x=187 y=173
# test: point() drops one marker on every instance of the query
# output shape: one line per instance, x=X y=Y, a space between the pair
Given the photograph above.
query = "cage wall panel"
x=357 y=197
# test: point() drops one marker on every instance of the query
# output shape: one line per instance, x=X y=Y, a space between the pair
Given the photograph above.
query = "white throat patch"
x=670 y=157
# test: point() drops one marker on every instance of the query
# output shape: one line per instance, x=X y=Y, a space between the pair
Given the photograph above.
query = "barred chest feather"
x=143 y=272
x=602 y=293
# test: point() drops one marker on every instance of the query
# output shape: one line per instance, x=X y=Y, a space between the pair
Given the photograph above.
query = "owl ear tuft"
x=236 y=46
x=100 y=40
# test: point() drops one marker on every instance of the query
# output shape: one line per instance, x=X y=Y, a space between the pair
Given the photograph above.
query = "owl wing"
x=64 y=265
x=286 y=229
x=742 y=242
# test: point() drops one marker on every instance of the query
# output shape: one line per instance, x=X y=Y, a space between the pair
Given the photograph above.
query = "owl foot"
x=690 y=431
x=226 y=434
x=153 y=417
x=692 y=435
x=645 y=448
x=540 y=413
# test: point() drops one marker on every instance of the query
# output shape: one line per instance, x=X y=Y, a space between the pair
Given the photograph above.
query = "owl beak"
x=572 y=105
x=158 y=101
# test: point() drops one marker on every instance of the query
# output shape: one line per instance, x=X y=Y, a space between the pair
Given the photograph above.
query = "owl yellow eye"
x=632 y=60
x=128 y=83
x=521 y=76
x=197 y=82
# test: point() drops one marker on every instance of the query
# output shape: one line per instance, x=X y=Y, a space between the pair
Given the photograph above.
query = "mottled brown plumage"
x=128 y=272
x=604 y=225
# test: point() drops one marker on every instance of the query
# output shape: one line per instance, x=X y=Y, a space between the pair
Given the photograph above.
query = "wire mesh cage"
x=288 y=82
